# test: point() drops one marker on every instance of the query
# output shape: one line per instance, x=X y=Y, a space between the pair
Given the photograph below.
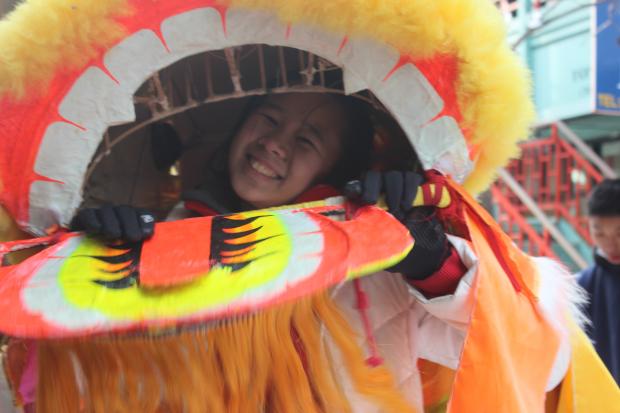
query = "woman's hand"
x=431 y=246
x=115 y=222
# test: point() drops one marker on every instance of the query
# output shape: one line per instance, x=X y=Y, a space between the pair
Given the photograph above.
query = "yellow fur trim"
x=249 y=364
x=493 y=87
x=39 y=36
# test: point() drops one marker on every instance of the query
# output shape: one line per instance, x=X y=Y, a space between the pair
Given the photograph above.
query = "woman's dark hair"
x=357 y=145
x=605 y=199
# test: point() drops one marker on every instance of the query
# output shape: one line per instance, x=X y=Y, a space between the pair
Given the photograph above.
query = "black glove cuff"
x=431 y=247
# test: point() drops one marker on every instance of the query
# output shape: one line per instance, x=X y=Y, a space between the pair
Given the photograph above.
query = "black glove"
x=115 y=222
x=431 y=246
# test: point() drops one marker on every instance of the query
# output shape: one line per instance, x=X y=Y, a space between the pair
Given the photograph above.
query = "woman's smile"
x=284 y=147
x=263 y=168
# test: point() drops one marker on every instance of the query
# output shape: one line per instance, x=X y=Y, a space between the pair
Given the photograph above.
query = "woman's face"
x=285 y=146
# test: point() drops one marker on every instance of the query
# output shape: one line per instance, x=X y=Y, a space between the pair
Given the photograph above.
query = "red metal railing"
x=519 y=229
x=557 y=177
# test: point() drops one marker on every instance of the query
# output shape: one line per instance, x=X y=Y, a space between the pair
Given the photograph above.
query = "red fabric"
x=432 y=198
x=445 y=280
x=299 y=346
x=200 y=208
x=452 y=216
x=363 y=303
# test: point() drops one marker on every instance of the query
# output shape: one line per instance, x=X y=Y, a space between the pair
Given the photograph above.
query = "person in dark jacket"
x=602 y=280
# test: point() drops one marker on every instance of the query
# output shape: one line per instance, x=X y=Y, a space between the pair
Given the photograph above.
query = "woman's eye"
x=306 y=141
x=269 y=119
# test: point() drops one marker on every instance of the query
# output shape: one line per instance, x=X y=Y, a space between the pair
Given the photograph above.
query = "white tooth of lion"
x=64 y=152
x=52 y=202
x=194 y=31
x=95 y=101
x=315 y=41
x=352 y=82
x=250 y=27
x=406 y=92
x=47 y=200
x=136 y=58
x=368 y=60
x=441 y=145
x=409 y=96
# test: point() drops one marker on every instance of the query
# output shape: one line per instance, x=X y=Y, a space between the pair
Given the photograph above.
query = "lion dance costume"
x=177 y=340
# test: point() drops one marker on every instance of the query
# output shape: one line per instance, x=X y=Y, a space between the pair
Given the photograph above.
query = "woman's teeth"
x=262 y=169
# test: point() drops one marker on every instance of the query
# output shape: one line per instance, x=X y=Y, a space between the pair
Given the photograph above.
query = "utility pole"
x=6 y=6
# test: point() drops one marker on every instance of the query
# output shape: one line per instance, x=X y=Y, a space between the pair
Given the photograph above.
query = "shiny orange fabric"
x=510 y=348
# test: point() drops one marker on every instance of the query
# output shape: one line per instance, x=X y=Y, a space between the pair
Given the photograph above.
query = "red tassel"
x=362 y=305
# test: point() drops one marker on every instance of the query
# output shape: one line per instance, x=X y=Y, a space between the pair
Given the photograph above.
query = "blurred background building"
x=573 y=50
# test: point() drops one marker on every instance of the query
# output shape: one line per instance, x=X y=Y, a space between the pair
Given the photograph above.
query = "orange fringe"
x=247 y=365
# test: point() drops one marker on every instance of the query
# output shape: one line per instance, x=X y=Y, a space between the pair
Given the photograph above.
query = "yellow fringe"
x=247 y=365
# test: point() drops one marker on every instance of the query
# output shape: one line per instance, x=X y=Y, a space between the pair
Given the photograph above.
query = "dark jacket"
x=602 y=282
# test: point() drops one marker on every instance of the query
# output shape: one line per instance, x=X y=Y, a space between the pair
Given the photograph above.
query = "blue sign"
x=607 y=70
